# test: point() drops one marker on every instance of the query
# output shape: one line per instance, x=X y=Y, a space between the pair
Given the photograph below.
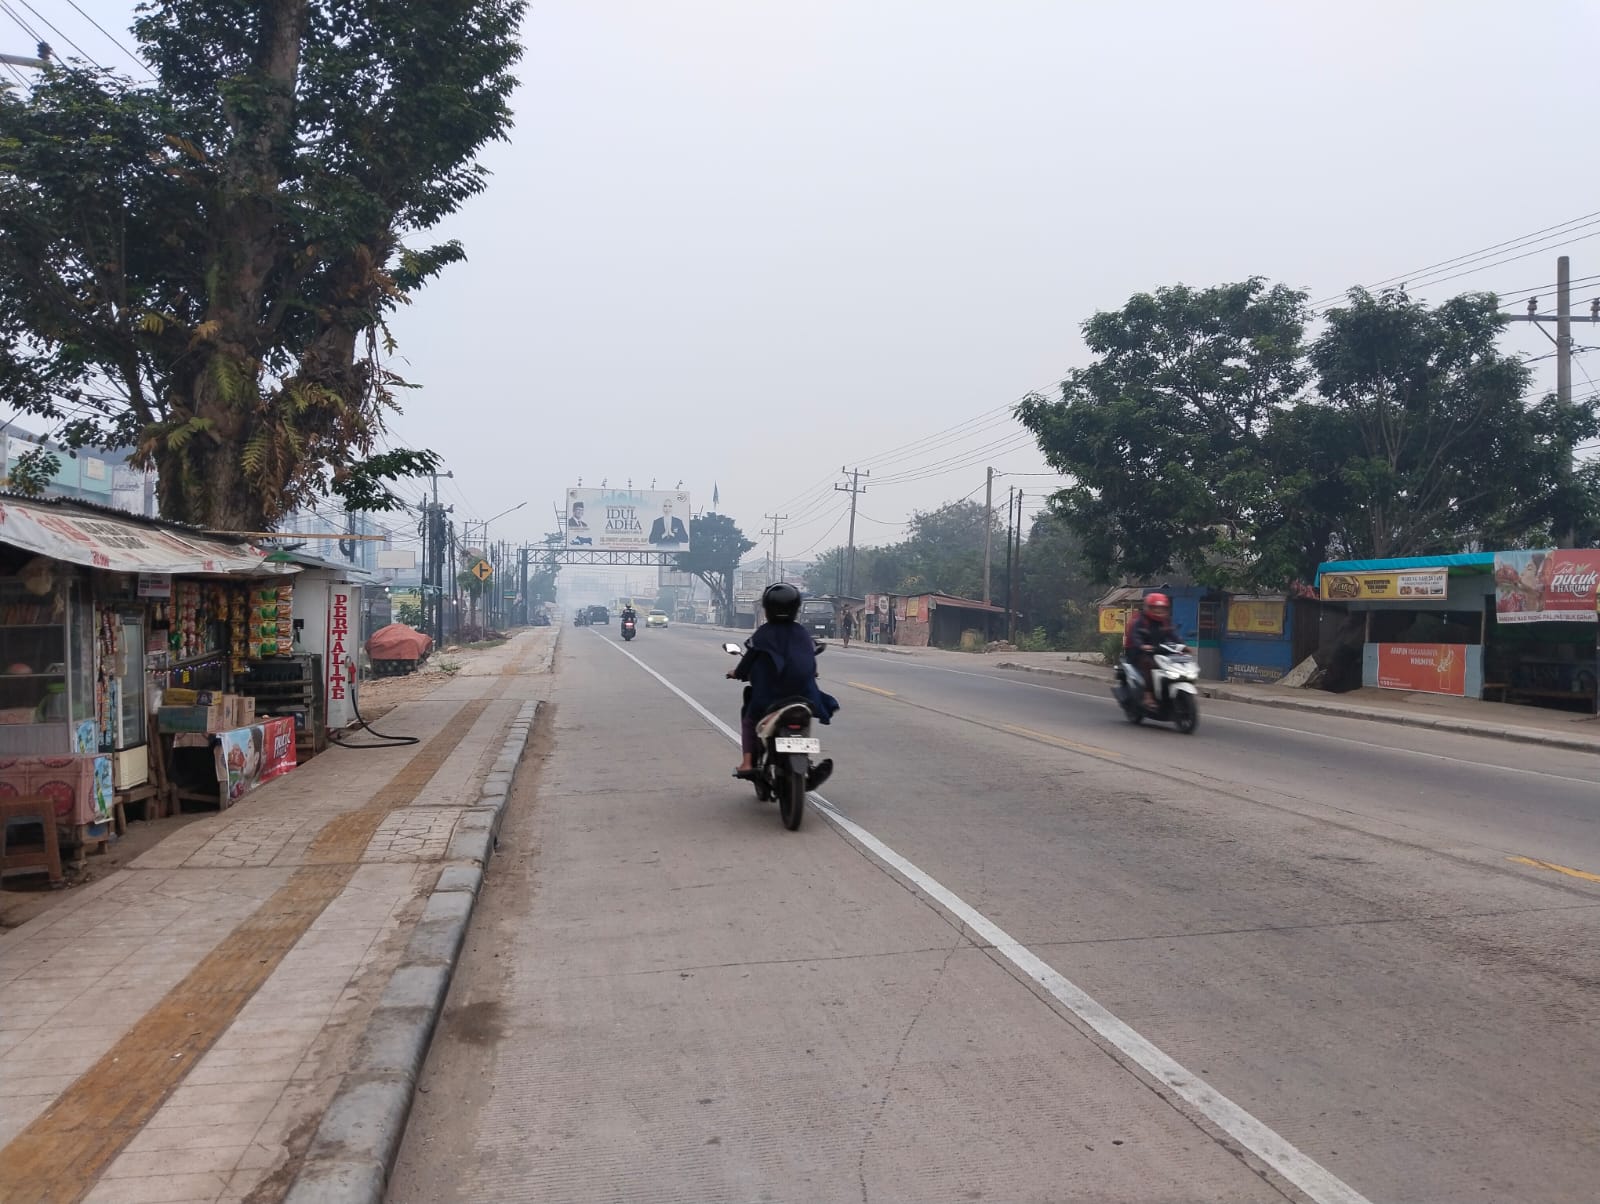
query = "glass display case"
x=46 y=664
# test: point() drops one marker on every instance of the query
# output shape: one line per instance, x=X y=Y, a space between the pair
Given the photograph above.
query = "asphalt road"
x=1039 y=954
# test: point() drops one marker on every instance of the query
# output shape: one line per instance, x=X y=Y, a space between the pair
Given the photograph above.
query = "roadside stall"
x=121 y=638
x=1510 y=626
x=1542 y=646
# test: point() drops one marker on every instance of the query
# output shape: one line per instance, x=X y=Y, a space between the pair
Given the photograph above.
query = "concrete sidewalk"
x=175 y=1031
x=1462 y=716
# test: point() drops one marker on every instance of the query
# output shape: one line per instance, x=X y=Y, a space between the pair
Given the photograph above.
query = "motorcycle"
x=629 y=629
x=784 y=748
x=1173 y=681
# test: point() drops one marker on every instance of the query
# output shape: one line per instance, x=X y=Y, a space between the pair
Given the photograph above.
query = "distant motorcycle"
x=1177 y=696
x=784 y=750
x=629 y=629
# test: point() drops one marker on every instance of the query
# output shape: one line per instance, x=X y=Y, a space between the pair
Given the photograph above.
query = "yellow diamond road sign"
x=483 y=570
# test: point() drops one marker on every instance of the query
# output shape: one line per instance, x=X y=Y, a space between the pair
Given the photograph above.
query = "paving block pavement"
x=186 y=1028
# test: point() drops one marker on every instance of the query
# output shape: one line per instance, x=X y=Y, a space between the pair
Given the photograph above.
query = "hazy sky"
x=746 y=242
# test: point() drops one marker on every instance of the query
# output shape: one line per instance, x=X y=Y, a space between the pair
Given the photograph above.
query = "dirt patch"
x=27 y=896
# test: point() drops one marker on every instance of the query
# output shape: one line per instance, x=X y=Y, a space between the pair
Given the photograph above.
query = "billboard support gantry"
x=627 y=520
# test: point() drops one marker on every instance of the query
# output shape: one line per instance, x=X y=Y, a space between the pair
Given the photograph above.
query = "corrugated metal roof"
x=1457 y=560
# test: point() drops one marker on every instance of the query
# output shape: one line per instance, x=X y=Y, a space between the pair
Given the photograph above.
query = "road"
x=1022 y=950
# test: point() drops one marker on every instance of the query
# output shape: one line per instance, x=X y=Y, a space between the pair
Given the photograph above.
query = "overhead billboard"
x=628 y=520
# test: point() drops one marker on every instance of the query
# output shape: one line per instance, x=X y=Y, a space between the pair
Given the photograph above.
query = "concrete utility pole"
x=1011 y=493
x=433 y=570
x=854 y=489
x=777 y=571
x=1015 y=589
x=1563 y=319
x=988 y=529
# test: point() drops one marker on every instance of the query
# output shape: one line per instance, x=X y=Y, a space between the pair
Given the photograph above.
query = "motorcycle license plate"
x=799 y=744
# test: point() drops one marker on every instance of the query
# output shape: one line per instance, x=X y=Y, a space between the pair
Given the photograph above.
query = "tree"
x=202 y=270
x=827 y=573
x=1162 y=432
x=716 y=546
x=1058 y=592
x=1443 y=449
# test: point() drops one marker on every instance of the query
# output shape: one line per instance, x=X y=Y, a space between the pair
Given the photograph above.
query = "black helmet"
x=781 y=602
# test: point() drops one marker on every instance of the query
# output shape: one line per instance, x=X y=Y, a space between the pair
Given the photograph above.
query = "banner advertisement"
x=1114 y=619
x=1554 y=585
x=637 y=520
x=1417 y=585
x=104 y=542
x=249 y=756
x=1255 y=616
x=1423 y=668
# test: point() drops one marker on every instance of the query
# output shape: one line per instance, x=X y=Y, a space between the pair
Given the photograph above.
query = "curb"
x=1438 y=723
x=358 y=1139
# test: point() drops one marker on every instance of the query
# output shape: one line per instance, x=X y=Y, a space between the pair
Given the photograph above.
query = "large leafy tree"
x=1058 y=591
x=716 y=546
x=1162 y=433
x=1443 y=447
x=201 y=270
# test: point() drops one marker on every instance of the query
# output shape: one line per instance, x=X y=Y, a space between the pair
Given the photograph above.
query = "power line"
x=1474 y=256
x=33 y=34
x=55 y=30
x=143 y=66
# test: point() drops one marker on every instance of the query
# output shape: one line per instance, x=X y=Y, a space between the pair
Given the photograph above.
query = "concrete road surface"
x=1022 y=951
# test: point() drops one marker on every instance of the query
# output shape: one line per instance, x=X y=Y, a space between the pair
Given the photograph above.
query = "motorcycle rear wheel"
x=792 y=800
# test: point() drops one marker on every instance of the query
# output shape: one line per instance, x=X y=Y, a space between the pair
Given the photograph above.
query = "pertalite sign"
x=622 y=520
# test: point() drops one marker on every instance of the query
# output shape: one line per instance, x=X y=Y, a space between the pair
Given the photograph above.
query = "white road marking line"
x=1211 y=717
x=1311 y=1177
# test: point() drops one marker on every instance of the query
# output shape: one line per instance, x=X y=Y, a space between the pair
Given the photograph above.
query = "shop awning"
x=1400 y=564
x=103 y=540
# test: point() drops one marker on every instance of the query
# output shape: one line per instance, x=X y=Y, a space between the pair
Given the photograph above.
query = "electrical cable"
x=143 y=66
x=53 y=29
x=363 y=725
x=33 y=34
x=1473 y=256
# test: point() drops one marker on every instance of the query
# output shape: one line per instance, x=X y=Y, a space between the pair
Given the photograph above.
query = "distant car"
x=599 y=614
x=656 y=618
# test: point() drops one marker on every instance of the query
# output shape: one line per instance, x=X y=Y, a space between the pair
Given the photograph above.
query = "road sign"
x=483 y=570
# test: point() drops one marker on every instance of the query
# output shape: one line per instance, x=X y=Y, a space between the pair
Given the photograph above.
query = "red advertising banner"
x=1556 y=585
x=249 y=756
x=1423 y=668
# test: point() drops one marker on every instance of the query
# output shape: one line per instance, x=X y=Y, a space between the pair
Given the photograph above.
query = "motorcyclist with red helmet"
x=1147 y=630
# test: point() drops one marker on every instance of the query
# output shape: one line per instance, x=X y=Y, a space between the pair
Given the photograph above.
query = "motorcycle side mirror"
x=821 y=647
x=732 y=649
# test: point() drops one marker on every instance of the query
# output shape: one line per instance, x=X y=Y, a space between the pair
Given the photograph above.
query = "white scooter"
x=1177 y=695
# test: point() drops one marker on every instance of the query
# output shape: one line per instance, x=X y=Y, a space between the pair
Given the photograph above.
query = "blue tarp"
x=1460 y=560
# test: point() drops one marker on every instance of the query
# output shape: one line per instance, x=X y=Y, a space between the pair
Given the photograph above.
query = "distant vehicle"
x=598 y=614
x=656 y=618
x=817 y=617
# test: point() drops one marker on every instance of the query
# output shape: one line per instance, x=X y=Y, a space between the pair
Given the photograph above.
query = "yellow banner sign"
x=1114 y=619
x=1256 y=617
x=1418 y=585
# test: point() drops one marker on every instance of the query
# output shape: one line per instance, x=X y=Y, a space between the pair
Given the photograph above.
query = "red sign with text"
x=1423 y=668
x=338 y=642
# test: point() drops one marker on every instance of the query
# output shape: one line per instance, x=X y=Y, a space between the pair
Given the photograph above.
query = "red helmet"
x=1157 y=603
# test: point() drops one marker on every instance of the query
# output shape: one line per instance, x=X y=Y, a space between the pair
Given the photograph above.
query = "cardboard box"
x=246 y=712
x=191 y=719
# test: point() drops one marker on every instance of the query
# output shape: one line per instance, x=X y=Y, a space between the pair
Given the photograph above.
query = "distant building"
x=87 y=475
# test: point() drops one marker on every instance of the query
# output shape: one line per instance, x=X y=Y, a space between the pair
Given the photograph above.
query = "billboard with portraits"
x=628 y=520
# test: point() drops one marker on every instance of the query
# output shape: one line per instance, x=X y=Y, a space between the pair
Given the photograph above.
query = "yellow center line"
x=873 y=689
x=1059 y=742
x=1559 y=869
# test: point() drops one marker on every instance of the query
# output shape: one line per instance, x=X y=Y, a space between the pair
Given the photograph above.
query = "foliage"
x=202 y=270
x=1058 y=592
x=409 y=613
x=1037 y=640
x=1442 y=448
x=1195 y=450
x=1162 y=433
x=716 y=547
x=828 y=572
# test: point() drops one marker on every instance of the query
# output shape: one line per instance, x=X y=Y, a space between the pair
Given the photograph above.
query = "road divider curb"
x=1438 y=723
x=358 y=1140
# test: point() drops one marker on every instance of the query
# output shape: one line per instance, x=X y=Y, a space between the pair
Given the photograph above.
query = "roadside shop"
x=137 y=660
x=1510 y=626
x=930 y=620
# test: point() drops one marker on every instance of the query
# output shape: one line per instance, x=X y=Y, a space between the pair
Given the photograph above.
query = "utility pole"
x=854 y=489
x=1015 y=589
x=988 y=530
x=433 y=563
x=1010 y=499
x=777 y=571
x=1563 y=319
